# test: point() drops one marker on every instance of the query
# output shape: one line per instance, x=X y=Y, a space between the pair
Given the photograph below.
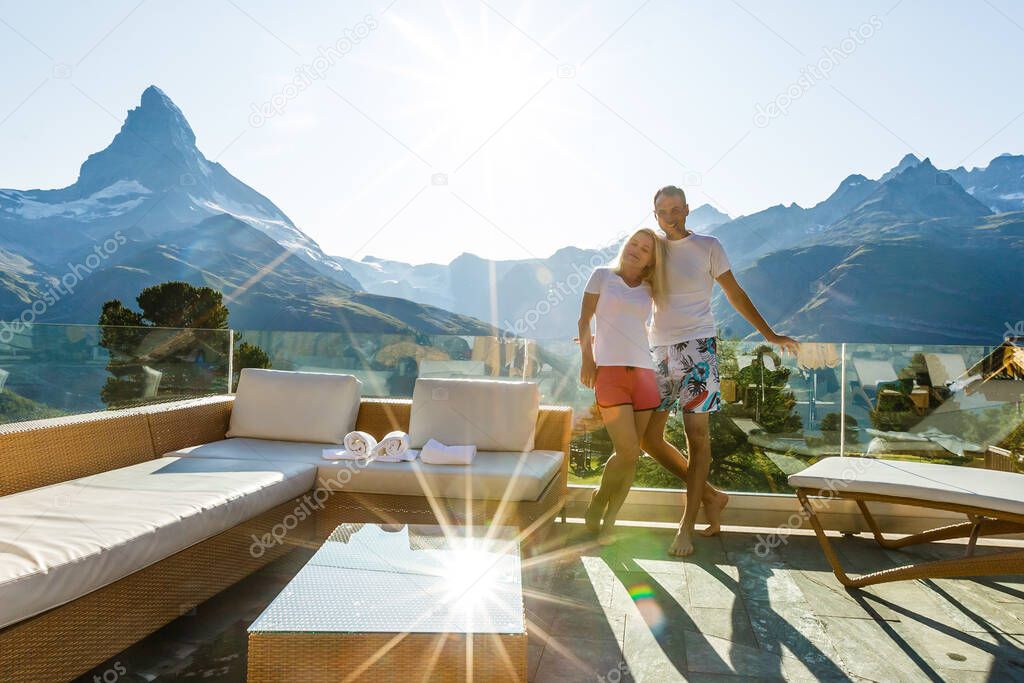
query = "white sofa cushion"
x=943 y=484
x=60 y=542
x=492 y=415
x=294 y=406
x=492 y=475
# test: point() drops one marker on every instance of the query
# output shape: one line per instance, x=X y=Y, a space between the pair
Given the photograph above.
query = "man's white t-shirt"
x=622 y=313
x=694 y=263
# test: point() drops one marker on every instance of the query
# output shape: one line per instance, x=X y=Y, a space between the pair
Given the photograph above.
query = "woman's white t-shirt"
x=693 y=264
x=622 y=313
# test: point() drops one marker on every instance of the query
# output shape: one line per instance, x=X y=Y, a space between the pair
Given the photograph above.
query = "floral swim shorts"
x=688 y=374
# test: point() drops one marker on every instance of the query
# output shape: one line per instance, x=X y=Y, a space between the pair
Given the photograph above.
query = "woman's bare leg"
x=621 y=466
x=669 y=457
x=618 y=495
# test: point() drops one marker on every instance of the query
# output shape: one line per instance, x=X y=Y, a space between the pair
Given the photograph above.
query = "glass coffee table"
x=396 y=602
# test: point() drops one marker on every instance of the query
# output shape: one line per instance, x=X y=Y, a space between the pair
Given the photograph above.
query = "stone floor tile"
x=582 y=659
x=712 y=585
x=655 y=653
x=711 y=655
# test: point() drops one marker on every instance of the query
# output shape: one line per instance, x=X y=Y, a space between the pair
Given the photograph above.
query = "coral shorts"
x=620 y=385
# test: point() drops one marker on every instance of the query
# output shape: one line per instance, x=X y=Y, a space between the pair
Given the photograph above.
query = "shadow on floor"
x=630 y=612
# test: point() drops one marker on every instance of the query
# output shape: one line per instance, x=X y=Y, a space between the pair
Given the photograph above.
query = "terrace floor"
x=630 y=612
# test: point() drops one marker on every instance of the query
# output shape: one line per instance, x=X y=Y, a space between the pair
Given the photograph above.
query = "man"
x=684 y=347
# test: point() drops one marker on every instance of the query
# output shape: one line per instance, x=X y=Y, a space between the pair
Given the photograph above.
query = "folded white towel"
x=394 y=447
x=436 y=453
x=341 y=454
x=360 y=443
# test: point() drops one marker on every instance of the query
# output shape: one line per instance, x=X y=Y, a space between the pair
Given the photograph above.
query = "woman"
x=617 y=364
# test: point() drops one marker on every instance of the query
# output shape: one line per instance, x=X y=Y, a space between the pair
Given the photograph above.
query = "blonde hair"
x=654 y=273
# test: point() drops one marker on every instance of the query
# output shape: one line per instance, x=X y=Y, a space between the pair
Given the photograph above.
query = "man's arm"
x=745 y=307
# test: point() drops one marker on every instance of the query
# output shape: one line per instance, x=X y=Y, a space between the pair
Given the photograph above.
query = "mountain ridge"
x=154 y=191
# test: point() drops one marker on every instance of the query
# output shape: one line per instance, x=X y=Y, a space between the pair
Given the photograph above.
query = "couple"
x=638 y=373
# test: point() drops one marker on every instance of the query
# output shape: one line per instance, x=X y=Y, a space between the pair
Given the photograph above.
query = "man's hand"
x=588 y=373
x=788 y=344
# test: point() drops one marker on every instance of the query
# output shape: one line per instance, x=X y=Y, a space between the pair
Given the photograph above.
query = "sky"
x=508 y=130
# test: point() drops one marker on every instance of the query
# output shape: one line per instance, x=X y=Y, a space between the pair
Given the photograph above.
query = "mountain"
x=156 y=209
x=893 y=269
x=780 y=227
x=909 y=290
x=151 y=175
x=231 y=256
x=899 y=205
x=705 y=218
x=876 y=260
x=908 y=161
x=999 y=186
x=537 y=298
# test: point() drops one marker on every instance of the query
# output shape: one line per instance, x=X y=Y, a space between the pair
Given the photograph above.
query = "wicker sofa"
x=74 y=635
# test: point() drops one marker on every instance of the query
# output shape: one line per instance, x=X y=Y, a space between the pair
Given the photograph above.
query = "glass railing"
x=779 y=414
x=388 y=364
x=943 y=404
x=52 y=370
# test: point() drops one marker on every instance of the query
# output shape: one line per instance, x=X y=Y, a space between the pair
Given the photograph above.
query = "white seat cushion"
x=944 y=484
x=491 y=415
x=295 y=406
x=63 y=541
x=492 y=475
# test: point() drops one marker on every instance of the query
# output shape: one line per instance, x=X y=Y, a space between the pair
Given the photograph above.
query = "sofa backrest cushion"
x=492 y=415
x=294 y=406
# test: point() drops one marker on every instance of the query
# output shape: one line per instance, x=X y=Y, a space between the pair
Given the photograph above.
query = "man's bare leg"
x=669 y=457
x=698 y=443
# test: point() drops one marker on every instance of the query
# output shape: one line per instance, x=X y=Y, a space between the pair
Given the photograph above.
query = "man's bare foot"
x=682 y=544
x=607 y=535
x=592 y=517
x=713 y=511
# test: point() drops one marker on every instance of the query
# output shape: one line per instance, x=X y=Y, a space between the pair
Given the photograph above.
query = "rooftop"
x=631 y=612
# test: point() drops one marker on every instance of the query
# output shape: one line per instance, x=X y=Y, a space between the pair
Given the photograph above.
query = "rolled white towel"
x=341 y=454
x=360 y=443
x=436 y=453
x=394 y=447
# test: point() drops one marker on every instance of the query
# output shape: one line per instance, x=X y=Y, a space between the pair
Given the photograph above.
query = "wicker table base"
x=396 y=603
x=383 y=658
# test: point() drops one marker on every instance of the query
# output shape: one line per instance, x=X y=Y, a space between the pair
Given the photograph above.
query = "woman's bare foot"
x=713 y=512
x=682 y=544
x=607 y=536
x=592 y=517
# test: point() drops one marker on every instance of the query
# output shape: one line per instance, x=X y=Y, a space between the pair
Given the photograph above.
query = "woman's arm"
x=745 y=307
x=588 y=372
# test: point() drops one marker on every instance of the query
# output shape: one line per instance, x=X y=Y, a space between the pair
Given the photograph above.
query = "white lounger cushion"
x=523 y=476
x=944 y=484
x=60 y=542
x=295 y=406
x=491 y=415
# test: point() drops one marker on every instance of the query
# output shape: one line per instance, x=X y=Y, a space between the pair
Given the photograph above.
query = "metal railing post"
x=842 y=399
x=231 y=360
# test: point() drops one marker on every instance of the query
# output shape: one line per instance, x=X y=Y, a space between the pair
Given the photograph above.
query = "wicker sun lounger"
x=992 y=501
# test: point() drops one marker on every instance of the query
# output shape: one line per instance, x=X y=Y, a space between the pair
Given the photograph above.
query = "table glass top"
x=405 y=579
